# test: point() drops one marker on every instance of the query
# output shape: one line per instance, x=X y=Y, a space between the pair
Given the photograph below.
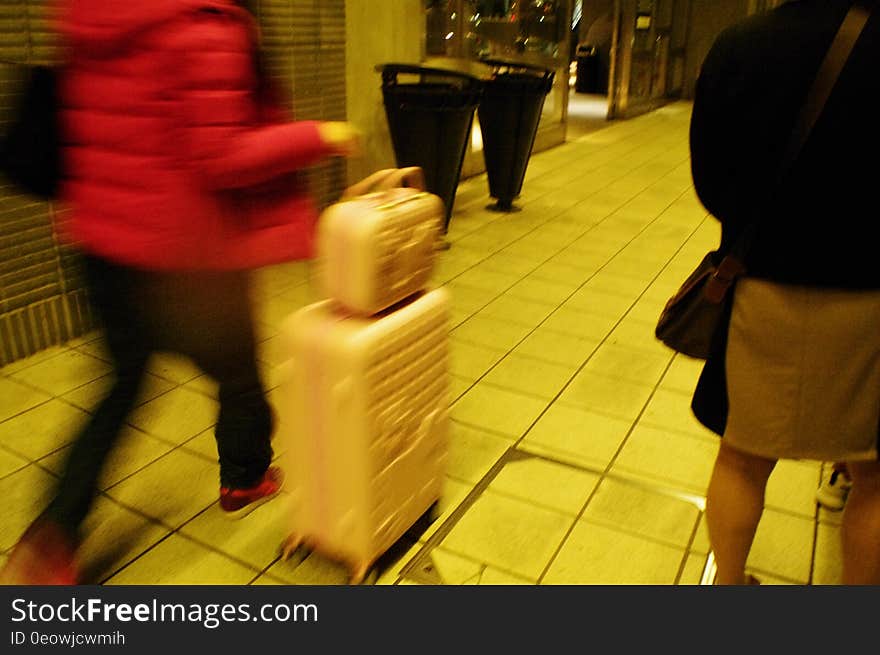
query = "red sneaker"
x=44 y=555
x=238 y=503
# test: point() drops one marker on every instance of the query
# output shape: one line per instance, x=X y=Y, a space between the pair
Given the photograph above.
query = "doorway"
x=649 y=55
x=590 y=65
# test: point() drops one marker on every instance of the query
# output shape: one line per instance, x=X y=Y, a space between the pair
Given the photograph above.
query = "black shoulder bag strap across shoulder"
x=732 y=265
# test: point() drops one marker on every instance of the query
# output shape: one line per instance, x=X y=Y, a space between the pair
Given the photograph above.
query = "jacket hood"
x=102 y=27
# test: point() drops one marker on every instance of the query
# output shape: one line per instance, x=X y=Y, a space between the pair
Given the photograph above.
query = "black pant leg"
x=111 y=289
x=208 y=317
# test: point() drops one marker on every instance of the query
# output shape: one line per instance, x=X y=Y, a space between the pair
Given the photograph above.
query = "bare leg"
x=734 y=506
x=861 y=525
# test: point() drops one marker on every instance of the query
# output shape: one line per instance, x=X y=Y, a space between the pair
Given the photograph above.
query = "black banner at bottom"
x=245 y=620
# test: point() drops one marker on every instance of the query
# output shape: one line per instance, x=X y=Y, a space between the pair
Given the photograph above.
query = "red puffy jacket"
x=173 y=160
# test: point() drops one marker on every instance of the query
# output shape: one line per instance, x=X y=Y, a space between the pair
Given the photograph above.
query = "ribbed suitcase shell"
x=375 y=250
x=364 y=420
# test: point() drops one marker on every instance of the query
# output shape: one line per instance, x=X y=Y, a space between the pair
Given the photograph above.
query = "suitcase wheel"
x=364 y=575
x=434 y=512
x=293 y=549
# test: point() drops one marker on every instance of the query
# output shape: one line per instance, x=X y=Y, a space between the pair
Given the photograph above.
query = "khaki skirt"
x=803 y=372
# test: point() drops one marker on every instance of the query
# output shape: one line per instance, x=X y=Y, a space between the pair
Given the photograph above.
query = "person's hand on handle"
x=343 y=138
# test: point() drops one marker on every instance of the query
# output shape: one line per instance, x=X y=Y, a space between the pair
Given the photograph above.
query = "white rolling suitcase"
x=365 y=424
x=375 y=249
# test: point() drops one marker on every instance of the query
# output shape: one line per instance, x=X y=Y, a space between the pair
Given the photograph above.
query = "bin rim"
x=586 y=48
x=390 y=69
x=505 y=63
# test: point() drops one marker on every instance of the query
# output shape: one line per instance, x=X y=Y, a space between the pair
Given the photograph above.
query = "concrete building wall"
x=377 y=33
x=707 y=19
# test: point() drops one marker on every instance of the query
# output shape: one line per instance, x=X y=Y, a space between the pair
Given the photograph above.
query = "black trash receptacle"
x=587 y=79
x=509 y=113
x=430 y=123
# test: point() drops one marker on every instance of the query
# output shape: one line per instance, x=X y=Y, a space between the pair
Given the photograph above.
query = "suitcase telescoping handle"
x=388 y=178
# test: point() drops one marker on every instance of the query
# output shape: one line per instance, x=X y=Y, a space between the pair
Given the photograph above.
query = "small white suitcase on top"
x=376 y=249
x=365 y=425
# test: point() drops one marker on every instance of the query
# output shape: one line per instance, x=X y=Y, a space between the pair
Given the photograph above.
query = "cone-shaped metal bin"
x=430 y=122
x=509 y=113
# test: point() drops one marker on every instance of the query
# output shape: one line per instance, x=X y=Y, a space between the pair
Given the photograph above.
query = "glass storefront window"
x=534 y=32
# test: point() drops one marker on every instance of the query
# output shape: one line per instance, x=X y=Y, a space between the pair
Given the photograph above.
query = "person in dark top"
x=798 y=376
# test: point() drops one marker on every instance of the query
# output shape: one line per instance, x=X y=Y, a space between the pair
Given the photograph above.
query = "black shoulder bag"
x=694 y=318
x=30 y=151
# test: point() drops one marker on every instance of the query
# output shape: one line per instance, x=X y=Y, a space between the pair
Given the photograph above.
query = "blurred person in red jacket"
x=181 y=175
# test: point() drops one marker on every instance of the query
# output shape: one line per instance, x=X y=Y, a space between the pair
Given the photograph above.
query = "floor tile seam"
x=159 y=521
x=627 y=276
x=633 y=164
x=41 y=355
x=18 y=469
x=592 y=150
x=457 y=513
x=60 y=393
x=139 y=402
x=581 y=367
x=167 y=537
x=482 y=428
x=561 y=211
x=814 y=551
x=631 y=379
x=102 y=580
x=138 y=513
x=692 y=543
x=539 y=305
x=538 y=358
x=70 y=443
x=486 y=565
x=606 y=472
x=645 y=187
x=649 y=478
x=574 y=524
x=571 y=528
x=579 y=461
x=685 y=554
x=47 y=359
x=654 y=539
x=680 y=432
x=172 y=448
x=36 y=461
x=47 y=401
x=616 y=324
x=461 y=394
x=424 y=579
x=638 y=350
x=793 y=514
x=633 y=424
x=216 y=549
x=174 y=442
x=597 y=159
x=212 y=395
x=267 y=574
x=682 y=567
x=518 y=391
x=544 y=507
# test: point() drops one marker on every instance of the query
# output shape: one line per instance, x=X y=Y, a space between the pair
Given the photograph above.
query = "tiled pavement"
x=574 y=456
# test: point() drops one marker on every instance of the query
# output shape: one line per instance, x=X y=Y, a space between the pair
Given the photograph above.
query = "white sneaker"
x=834 y=490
